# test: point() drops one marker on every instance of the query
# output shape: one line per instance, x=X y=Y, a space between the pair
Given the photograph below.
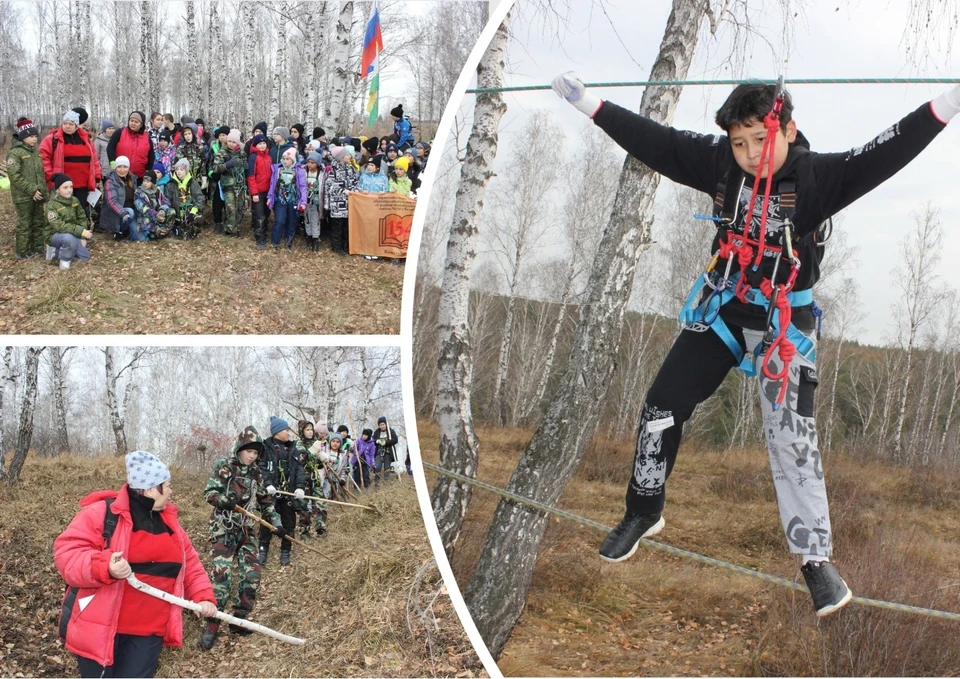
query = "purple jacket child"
x=287 y=197
x=368 y=449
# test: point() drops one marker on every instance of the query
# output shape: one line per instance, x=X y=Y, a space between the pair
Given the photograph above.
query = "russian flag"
x=372 y=42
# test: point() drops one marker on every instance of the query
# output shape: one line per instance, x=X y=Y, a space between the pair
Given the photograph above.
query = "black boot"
x=262 y=556
x=284 y=557
x=210 y=633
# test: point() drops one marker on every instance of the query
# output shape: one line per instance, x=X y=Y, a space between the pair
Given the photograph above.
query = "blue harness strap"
x=693 y=313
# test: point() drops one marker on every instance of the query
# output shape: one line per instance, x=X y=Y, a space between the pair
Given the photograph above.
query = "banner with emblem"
x=380 y=224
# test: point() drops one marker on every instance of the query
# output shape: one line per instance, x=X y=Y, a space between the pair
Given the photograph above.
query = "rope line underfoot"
x=733 y=81
x=683 y=553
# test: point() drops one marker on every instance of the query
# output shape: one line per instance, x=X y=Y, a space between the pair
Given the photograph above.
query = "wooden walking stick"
x=193 y=606
x=355 y=451
x=333 y=502
x=338 y=483
x=273 y=529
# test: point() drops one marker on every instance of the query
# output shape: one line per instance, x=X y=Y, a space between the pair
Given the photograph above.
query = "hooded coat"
x=83 y=562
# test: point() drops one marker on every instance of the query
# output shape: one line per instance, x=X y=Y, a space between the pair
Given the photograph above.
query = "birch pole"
x=496 y=595
x=459 y=447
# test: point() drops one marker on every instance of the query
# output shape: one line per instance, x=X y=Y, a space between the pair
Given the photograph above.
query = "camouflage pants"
x=232 y=211
x=29 y=227
x=311 y=512
x=222 y=556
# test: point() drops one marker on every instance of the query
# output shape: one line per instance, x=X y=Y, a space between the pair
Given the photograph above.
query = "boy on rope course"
x=753 y=308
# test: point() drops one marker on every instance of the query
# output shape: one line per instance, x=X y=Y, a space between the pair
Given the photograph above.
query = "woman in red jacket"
x=69 y=150
x=114 y=629
x=133 y=141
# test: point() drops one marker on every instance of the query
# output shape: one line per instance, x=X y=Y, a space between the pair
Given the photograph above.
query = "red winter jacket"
x=83 y=562
x=136 y=147
x=84 y=175
x=259 y=169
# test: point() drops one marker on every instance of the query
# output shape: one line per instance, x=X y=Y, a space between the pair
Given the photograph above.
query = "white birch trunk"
x=495 y=595
x=113 y=404
x=459 y=448
x=61 y=439
x=503 y=362
x=247 y=66
x=193 y=57
x=7 y=375
x=25 y=429
x=339 y=70
x=144 y=44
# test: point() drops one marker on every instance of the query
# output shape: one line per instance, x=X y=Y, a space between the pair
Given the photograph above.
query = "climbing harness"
x=749 y=285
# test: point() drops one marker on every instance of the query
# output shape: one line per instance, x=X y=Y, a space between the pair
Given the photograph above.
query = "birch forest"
x=184 y=404
x=230 y=61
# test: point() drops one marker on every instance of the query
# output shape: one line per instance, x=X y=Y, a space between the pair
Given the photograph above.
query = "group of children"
x=157 y=182
x=281 y=478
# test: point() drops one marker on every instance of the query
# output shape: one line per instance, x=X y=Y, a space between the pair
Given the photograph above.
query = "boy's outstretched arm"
x=842 y=178
x=685 y=157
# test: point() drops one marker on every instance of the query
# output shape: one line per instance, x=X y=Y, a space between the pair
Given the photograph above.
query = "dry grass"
x=897 y=537
x=211 y=285
x=353 y=613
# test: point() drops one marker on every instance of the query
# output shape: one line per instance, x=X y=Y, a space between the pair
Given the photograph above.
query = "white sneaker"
x=64 y=264
x=51 y=252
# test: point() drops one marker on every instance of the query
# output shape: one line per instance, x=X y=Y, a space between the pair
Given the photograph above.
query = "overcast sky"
x=836 y=39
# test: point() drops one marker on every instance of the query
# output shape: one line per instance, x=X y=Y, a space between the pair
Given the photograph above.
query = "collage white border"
x=498 y=10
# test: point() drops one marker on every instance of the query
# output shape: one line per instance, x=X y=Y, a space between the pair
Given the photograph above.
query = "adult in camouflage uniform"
x=28 y=189
x=65 y=228
x=236 y=482
x=229 y=162
x=311 y=513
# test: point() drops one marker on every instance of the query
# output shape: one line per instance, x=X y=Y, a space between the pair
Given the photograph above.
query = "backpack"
x=70 y=596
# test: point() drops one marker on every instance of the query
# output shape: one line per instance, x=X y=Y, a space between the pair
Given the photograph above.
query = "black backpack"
x=66 y=610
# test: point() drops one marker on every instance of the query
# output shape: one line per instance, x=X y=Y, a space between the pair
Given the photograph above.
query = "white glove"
x=947 y=105
x=298 y=493
x=570 y=86
x=271 y=490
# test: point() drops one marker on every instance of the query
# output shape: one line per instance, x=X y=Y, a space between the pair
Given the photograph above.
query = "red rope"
x=785 y=348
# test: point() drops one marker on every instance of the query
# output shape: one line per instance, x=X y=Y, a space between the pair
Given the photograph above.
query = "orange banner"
x=380 y=224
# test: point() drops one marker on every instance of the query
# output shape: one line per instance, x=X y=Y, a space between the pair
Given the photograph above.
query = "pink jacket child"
x=96 y=604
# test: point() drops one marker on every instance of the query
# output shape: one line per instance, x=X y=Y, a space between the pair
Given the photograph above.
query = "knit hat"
x=234 y=136
x=149 y=174
x=105 y=125
x=322 y=430
x=356 y=144
x=223 y=129
x=277 y=425
x=315 y=157
x=141 y=116
x=315 y=144
x=339 y=152
x=371 y=144
x=343 y=429
x=375 y=160
x=368 y=432
x=397 y=111
x=335 y=437
x=402 y=164
x=72 y=117
x=185 y=119
x=257 y=138
x=121 y=160
x=82 y=112
x=160 y=169
x=392 y=147
x=59 y=179
x=298 y=127
x=26 y=128
x=411 y=151
x=319 y=132
x=145 y=470
x=198 y=121
x=291 y=153
x=282 y=131
x=262 y=126
x=382 y=420
x=165 y=134
x=182 y=162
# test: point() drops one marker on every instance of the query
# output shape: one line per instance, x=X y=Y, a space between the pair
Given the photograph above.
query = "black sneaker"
x=209 y=634
x=830 y=593
x=622 y=542
x=262 y=556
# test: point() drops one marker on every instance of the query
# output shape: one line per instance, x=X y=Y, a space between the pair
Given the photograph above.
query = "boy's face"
x=65 y=190
x=746 y=142
x=31 y=141
x=164 y=143
x=279 y=138
x=247 y=456
x=181 y=172
x=262 y=145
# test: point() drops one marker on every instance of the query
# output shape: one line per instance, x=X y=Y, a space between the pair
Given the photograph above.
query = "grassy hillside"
x=897 y=537
x=353 y=613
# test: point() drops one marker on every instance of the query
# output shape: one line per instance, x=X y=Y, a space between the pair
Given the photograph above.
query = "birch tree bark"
x=213 y=31
x=340 y=69
x=495 y=595
x=144 y=73
x=193 y=54
x=459 y=447
x=8 y=374
x=278 y=66
x=61 y=440
x=247 y=9
x=25 y=429
x=116 y=406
